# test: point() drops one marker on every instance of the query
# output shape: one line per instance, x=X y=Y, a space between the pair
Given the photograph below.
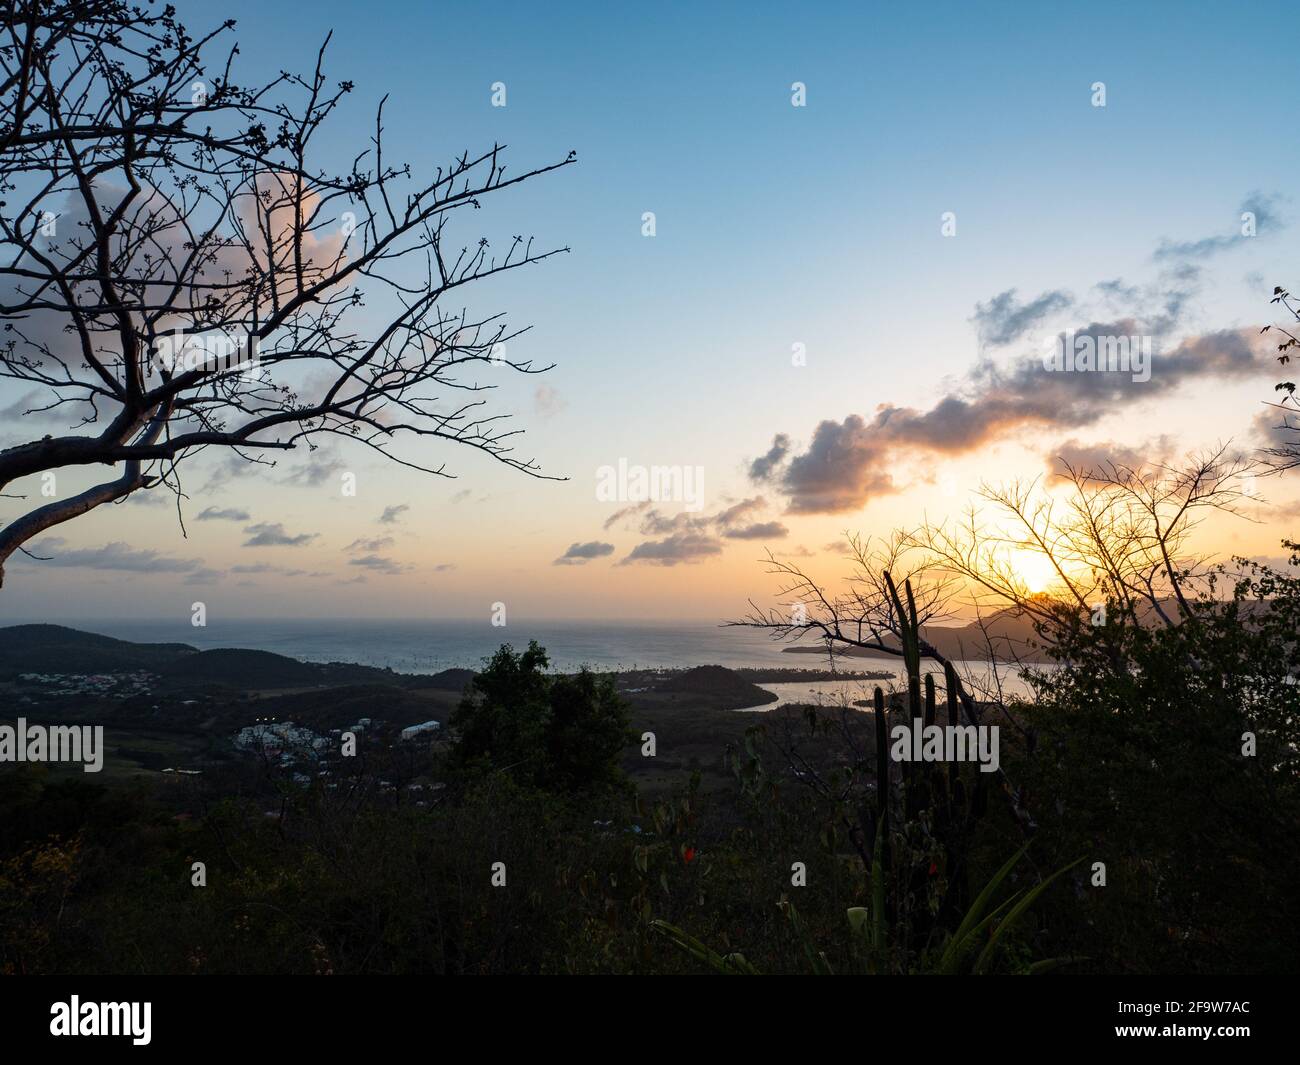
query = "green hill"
x=58 y=649
x=240 y=668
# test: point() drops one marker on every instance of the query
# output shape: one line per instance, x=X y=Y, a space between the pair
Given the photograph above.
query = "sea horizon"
x=430 y=645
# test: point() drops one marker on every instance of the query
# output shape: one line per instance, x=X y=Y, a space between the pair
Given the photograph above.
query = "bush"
x=563 y=734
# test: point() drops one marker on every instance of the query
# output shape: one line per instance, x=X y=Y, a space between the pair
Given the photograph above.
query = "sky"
x=799 y=332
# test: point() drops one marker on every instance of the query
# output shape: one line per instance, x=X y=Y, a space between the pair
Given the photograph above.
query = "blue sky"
x=776 y=225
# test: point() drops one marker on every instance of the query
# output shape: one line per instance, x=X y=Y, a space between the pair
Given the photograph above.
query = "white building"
x=417 y=730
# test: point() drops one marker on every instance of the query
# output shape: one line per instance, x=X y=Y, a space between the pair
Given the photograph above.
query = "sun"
x=1034 y=569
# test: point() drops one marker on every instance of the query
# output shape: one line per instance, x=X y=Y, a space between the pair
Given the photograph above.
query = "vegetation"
x=231 y=236
x=1143 y=818
x=562 y=734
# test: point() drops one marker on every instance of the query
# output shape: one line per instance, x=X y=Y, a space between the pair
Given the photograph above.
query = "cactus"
x=936 y=802
x=882 y=774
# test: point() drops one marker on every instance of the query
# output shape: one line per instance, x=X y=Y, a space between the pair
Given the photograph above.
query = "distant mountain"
x=1009 y=633
x=58 y=649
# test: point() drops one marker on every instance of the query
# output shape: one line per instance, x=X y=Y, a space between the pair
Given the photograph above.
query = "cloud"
x=113 y=556
x=265 y=213
x=847 y=463
x=1003 y=321
x=223 y=514
x=148 y=499
x=204 y=576
x=392 y=515
x=654 y=522
x=680 y=547
x=1115 y=289
x=267 y=567
x=841 y=469
x=687 y=537
x=319 y=467
x=378 y=564
x=375 y=543
x=1087 y=458
x=761 y=468
x=741 y=510
x=1275 y=428
x=444 y=567
x=36 y=406
x=624 y=513
x=579 y=554
x=228 y=468
x=763 y=530
x=1284 y=511
x=461 y=496
x=1267 y=220
x=734 y=525
x=272 y=534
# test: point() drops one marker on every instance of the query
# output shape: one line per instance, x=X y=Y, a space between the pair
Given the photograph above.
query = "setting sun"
x=1034 y=569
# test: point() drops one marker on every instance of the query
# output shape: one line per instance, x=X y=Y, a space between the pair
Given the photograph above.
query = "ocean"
x=427 y=646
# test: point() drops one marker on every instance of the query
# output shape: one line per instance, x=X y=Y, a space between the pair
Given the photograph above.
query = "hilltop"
x=58 y=649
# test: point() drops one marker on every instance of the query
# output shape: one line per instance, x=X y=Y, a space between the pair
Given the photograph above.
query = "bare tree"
x=1119 y=539
x=1286 y=455
x=178 y=271
x=1120 y=536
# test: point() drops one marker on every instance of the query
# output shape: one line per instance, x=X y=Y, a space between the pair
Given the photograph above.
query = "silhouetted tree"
x=146 y=198
x=561 y=733
x=1285 y=454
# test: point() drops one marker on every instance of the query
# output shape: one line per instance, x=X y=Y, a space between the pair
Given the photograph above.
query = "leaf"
x=950 y=962
x=986 y=955
x=730 y=965
x=977 y=908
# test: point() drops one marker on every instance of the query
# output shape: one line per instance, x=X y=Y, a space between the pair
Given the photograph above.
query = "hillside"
x=243 y=669
x=59 y=649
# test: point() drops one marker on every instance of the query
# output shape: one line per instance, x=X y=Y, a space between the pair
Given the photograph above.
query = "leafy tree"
x=559 y=733
x=1170 y=754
